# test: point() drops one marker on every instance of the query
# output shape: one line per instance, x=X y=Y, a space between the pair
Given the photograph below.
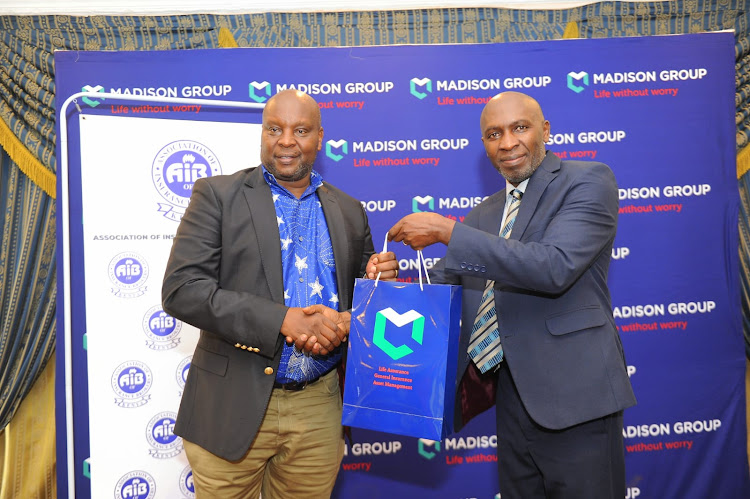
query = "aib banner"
x=402 y=135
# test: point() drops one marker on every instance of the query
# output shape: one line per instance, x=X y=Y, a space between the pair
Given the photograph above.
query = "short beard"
x=519 y=176
x=301 y=172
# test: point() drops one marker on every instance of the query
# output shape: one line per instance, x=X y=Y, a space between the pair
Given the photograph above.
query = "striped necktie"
x=484 y=345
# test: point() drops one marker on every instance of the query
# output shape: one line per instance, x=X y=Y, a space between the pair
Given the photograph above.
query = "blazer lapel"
x=262 y=213
x=538 y=183
x=337 y=230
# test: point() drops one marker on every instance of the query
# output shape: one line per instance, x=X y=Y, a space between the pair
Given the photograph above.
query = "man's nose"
x=508 y=141
x=287 y=138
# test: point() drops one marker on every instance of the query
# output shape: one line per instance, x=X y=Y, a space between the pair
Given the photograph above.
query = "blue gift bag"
x=401 y=362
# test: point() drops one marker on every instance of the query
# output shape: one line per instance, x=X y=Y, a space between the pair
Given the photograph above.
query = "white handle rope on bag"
x=421 y=262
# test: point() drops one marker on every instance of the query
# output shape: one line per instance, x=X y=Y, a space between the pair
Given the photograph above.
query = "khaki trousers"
x=296 y=453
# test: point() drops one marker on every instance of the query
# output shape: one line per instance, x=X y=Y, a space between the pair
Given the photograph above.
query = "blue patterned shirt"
x=309 y=270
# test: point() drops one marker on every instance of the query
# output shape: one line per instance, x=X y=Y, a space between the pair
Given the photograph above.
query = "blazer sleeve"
x=574 y=222
x=192 y=290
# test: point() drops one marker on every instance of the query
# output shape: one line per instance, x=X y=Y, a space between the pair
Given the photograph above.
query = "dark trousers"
x=586 y=461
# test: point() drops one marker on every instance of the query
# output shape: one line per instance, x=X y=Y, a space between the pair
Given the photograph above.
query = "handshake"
x=318 y=329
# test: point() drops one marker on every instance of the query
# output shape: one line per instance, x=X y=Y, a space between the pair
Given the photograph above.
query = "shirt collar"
x=521 y=187
x=316 y=180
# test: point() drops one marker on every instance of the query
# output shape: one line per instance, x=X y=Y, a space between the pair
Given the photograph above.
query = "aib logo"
x=340 y=145
x=161 y=329
x=581 y=77
x=260 y=92
x=389 y=315
x=416 y=83
x=135 y=485
x=88 y=100
x=128 y=272
x=174 y=171
x=181 y=373
x=160 y=435
x=186 y=482
x=131 y=381
x=424 y=446
x=422 y=203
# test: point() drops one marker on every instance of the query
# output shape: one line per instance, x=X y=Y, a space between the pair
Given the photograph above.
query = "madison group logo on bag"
x=387 y=315
x=581 y=77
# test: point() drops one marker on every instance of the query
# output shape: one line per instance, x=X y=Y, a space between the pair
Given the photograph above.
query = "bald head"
x=294 y=99
x=514 y=132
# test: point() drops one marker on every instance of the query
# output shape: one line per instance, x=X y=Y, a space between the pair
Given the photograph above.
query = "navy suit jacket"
x=224 y=276
x=554 y=308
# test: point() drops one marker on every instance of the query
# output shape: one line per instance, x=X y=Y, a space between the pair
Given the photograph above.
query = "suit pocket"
x=576 y=320
x=210 y=361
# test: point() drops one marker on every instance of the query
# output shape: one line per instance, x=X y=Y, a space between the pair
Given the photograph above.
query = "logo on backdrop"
x=135 y=485
x=131 y=381
x=260 y=92
x=424 y=83
x=175 y=169
x=420 y=204
x=162 y=330
x=161 y=437
x=88 y=100
x=389 y=315
x=424 y=446
x=181 y=373
x=577 y=82
x=186 y=482
x=128 y=272
x=340 y=145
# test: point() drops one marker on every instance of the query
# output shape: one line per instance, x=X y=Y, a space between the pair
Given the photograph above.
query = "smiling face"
x=291 y=137
x=514 y=132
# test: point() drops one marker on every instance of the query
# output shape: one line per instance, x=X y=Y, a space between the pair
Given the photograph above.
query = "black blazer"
x=224 y=276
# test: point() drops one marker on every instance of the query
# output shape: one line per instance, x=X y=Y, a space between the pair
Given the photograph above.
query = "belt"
x=294 y=386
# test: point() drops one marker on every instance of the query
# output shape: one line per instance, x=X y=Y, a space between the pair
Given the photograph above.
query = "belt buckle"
x=295 y=386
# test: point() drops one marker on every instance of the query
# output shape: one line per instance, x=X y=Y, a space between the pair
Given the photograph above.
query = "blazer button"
x=484 y=269
x=244 y=347
x=463 y=265
x=237 y=345
x=256 y=350
x=268 y=370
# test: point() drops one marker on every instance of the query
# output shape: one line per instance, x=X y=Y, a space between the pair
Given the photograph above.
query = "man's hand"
x=420 y=230
x=383 y=263
x=313 y=331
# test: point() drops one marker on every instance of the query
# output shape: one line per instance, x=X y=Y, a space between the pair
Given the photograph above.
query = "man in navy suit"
x=561 y=383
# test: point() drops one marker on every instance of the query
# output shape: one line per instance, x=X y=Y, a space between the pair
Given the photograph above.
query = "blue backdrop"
x=402 y=135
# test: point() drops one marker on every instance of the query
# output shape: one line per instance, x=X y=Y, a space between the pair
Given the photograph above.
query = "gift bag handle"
x=421 y=263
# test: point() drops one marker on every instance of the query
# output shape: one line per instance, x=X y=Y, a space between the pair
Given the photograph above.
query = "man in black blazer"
x=561 y=383
x=250 y=421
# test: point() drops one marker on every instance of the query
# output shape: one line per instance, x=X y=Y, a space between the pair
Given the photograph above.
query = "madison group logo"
x=131 y=382
x=161 y=437
x=420 y=83
x=162 y=329
x=128 y=272
x=337 y=145
x=175 y=169
x=420 y=204
x=91 y=101
x=135 y=485
x=577 y=82
x=389 y=315
x=260 y=92
x=424 y=446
